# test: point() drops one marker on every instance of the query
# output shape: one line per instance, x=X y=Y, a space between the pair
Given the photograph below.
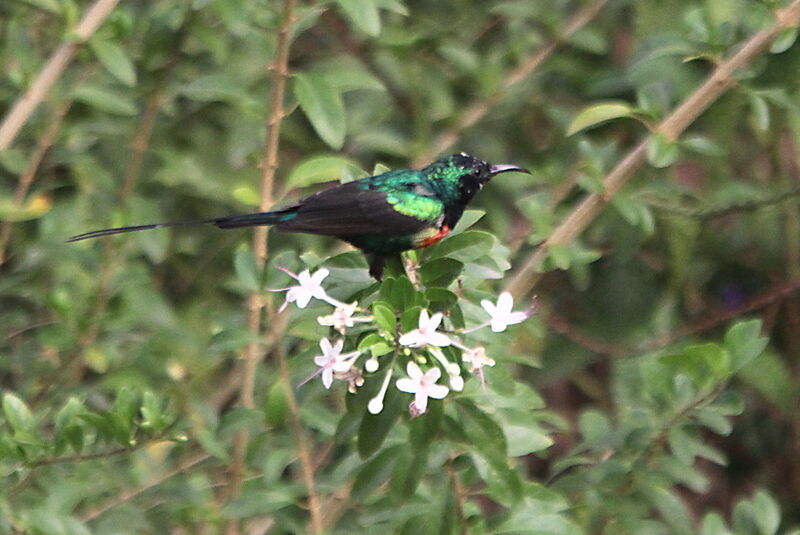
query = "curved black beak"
x=505 y=168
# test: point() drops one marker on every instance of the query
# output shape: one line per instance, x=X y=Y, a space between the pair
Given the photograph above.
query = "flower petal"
x=437 y=391
x=413 y=371
x=505 y=302
x=434 y=322
x=325 y=346
x=319 y=275
x=327 y=377
x=407 y=385
x=438 y=339
x=412 y=338
x=301 y=297
x=432 y=375
x=488 y=306
x=421 y=401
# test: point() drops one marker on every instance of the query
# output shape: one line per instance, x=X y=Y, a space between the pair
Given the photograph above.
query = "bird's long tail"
x=234 y=221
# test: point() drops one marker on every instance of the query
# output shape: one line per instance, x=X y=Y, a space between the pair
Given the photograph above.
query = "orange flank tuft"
x=436 y=238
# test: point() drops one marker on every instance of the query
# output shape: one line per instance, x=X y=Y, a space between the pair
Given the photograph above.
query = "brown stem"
x=52 y=71
x=45 y=142
x=144 y=130
x=127 y=495
x=253 y=352
x=479 y=109
x=303 y=454
x=720 y=80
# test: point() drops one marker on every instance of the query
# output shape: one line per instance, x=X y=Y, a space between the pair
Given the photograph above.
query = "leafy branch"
x=720 y=81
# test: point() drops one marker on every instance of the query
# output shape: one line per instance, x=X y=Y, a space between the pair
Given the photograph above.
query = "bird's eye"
x=476 y=172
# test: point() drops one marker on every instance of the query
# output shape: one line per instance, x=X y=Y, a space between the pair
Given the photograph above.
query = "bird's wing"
x=350 y=209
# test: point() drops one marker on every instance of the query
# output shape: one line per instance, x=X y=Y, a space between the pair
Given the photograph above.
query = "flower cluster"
x=422 y=345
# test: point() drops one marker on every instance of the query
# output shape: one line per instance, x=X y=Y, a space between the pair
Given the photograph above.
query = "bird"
x=382 y=215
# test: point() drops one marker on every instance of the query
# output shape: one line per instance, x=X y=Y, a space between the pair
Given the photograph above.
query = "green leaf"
x=105 y=99
x=760 y=112
x=216 y=88
x=744 y=343
x=464 y=247
x=17 y=413
x=259 y=502
x=784 y=41
x=35 y=207
x=322 y=104
x=440 y=272
x=766 y=513
x=115 y=60
x=152 y=413
x=599 y=113
x=347 y=74
x=410 y=469
x=714 y=524
x=662 y=152
x=375 y=427
x=277 y=404
x=484 y=433
x=384 y=317
x=247 y=271
x=558 y=253
x=672 y=509
x=374 y=472
x=364 y=14
x=322 y=168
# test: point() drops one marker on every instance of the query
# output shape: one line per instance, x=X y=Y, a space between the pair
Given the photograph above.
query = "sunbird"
x=382 y=215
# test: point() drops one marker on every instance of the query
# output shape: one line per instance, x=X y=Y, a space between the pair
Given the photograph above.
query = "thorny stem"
x=253 y=352
x=479 y=109
x=52 y=71
x=720 y=81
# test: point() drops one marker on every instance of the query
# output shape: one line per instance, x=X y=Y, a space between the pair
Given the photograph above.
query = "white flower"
x=501 y=314
x=477 y=359
x=453 y=370
x=422 y=385
x=310 y=287
x=342 y=317
x=426 y=333
x=375 y=405
x=372 y=364
x=331 y=361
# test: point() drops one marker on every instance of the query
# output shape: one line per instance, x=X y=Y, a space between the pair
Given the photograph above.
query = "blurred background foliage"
x=655 y=392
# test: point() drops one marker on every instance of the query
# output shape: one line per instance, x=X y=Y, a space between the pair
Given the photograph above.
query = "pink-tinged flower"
x=477 y=359
x=426 y=333
x=422 y=385
x=331 y=361
x=342 y=317
x=310 y=287
x=501 y=313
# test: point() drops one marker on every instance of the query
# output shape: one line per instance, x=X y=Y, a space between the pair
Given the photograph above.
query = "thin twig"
x=479 y=109
x=52 y=71
x=127 y=495
x=253 y=352
x=26 y=179
x=720 y=80
x=708 y=320
x=144 y=130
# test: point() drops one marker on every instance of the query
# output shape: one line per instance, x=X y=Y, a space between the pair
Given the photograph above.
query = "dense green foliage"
x=654 y=391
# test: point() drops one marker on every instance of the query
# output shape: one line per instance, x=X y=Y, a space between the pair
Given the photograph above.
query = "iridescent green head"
x=468 y=172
